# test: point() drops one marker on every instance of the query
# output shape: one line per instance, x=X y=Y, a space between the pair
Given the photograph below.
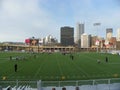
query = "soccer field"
x=56 y=66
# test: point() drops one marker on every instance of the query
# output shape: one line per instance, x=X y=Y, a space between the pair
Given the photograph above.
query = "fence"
x=17 y=83
x=79 y=82
x=39 y=84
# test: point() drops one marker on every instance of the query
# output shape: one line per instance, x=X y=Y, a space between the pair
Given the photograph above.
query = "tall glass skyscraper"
x=79 y=32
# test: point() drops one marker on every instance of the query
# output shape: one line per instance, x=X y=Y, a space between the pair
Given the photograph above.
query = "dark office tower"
x=67 y=36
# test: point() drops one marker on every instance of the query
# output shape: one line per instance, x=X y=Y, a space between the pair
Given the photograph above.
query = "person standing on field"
x=72 y=57
x=10 y=57
x=15 y=67
x=106 y=59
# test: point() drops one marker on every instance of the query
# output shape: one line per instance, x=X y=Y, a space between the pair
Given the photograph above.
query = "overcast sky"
x=21 y=19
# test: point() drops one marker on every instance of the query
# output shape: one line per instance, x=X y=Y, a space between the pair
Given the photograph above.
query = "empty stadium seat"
x=63 y=88
x=0 y=87
x=53 y=89
x=9 y=88
x=77 y=88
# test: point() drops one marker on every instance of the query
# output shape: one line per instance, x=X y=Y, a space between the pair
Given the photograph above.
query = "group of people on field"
x=99 y=61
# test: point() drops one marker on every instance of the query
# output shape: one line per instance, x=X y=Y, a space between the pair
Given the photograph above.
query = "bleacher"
x=17 y=88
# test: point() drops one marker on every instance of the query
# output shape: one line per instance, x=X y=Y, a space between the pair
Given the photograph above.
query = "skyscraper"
x=67 y=36
x=109 y=32
x=118 y=34
x=85 y=40
x=79 y=32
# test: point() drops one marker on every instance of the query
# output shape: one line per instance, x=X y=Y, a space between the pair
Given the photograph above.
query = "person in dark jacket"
x=15 y=67
x=106 y=59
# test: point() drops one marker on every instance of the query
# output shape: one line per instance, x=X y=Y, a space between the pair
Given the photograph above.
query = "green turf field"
x=58 y=67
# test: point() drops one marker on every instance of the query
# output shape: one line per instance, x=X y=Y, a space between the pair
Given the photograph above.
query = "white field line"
x=39 y=69
x=59 y=66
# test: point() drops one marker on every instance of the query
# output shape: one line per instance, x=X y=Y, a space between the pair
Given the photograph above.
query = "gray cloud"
x=22 y=19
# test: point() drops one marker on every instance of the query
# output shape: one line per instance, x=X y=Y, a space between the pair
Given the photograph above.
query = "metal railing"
x=17 y=83
x=38 y=84
x=79 y=82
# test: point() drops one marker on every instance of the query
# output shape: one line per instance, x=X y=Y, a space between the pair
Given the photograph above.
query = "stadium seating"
x=18 y=88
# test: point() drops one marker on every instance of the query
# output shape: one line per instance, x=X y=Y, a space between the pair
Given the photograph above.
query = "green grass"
x=59 y=67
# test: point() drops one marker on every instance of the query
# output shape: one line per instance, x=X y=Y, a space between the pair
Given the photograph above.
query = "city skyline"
x=21 y=19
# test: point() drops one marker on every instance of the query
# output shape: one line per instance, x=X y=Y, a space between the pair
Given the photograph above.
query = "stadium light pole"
x=97 y=41
x=38 y=44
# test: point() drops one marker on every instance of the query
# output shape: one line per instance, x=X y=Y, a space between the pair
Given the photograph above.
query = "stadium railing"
x=39 y=84
x=79 y=82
